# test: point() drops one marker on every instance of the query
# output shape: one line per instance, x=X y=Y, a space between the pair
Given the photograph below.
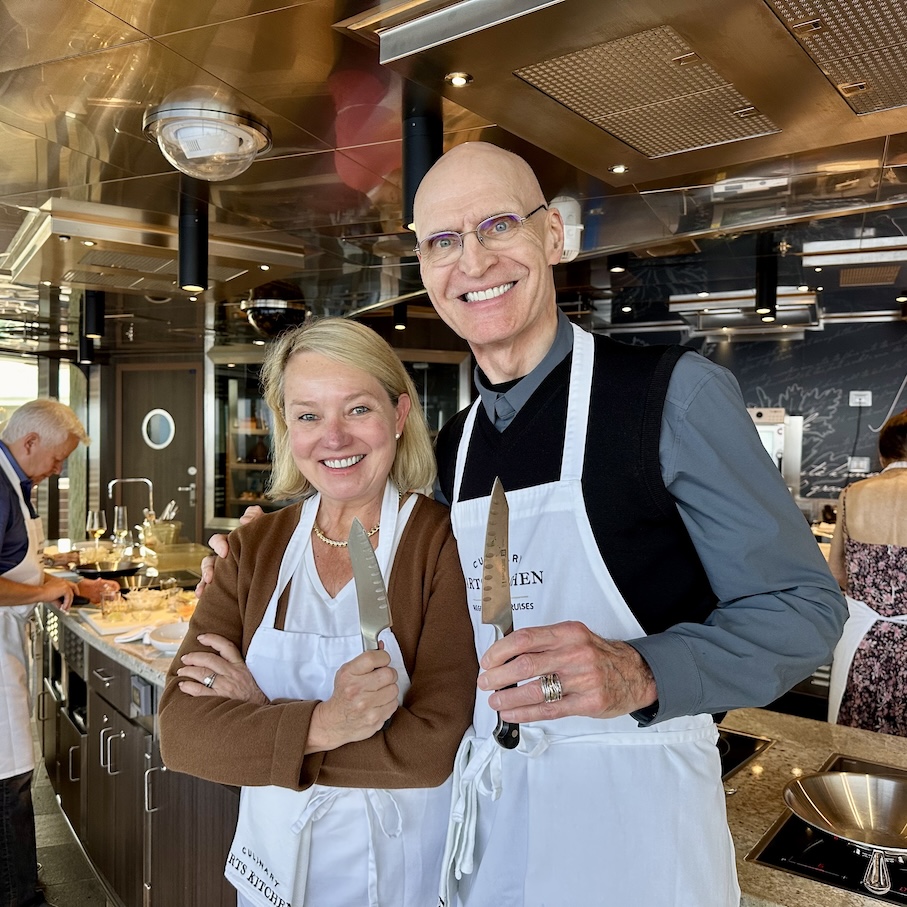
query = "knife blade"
x=496 y=604
x=374 y=610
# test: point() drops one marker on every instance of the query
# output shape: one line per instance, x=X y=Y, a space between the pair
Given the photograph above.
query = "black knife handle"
x=507 y=734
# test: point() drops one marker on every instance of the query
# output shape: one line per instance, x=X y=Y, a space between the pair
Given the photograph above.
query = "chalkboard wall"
x=813 y=378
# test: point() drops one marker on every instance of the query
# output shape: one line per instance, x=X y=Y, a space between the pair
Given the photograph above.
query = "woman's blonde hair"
x=352 y=344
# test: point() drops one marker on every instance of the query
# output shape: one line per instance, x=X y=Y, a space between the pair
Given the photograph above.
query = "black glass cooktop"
x=737 y=749
x=796 y=847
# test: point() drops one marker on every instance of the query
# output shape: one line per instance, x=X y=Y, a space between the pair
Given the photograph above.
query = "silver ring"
x=551 y=687
x=209 y=680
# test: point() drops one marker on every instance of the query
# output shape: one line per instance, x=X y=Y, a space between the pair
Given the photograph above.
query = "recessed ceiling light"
x=803 y=288
x=901 y=297
x=819 y=288
x=193 y=299
x=703 y=294
x=458 y=79
x=231 y=365
x=768 y=318
x=817 y=269
x=626 y=308
x=258 y=342
x=618 y=168
x=265 y=267
x=88 y=242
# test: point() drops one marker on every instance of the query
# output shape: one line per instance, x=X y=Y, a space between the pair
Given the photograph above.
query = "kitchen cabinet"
x=114 y=776
x=191 y=826
x=157 y=838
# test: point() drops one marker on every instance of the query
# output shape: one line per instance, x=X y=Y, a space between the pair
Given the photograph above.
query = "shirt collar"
x=16 y=467
x=502 y=406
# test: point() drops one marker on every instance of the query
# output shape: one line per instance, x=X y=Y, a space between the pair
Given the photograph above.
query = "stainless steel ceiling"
x=732 y=116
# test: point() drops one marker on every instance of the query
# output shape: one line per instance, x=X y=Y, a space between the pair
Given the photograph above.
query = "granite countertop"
x=145 y=661
x=801 y=746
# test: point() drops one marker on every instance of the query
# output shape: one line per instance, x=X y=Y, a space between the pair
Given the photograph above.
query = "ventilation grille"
x=860 y=45
x=870 y=276
x=651 y=91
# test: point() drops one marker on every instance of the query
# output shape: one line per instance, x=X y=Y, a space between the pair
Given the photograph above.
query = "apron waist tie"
x=384 y=817
x=860 y=621
x=478 y=770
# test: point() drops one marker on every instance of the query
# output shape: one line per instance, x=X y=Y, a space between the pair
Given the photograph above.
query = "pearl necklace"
x=335 y=544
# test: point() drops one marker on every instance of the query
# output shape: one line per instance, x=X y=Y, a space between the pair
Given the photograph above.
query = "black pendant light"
x=94 y=305
x=400 y=316
x=766 y=277
x=193 y=235
x=423 y=140
x=86 y=350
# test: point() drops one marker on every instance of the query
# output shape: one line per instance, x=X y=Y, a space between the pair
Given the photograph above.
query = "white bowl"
x=167 y=638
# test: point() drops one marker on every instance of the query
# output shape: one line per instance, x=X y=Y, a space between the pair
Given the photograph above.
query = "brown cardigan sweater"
x=239 y=743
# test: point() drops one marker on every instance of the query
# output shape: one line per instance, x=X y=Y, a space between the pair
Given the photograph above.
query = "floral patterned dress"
x=875 y=697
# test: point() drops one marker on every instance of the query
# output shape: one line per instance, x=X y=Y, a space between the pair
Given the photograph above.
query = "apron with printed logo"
x=331 y=845
x=584 y=811
x=16 y=747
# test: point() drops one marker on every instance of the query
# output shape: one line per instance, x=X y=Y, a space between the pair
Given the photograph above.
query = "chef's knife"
x=496 y=606
x=374 y=612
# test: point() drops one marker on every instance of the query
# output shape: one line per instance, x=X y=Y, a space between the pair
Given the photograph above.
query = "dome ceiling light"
x=271 y=317
x=206 y=141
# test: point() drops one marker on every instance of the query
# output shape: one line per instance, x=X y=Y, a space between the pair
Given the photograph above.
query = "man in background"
x=34 y=444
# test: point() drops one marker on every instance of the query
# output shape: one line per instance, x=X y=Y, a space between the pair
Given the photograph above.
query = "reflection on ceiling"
x=730 y=119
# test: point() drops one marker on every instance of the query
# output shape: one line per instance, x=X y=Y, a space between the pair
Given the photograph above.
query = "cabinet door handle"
x=148 y=807
x=42 y=710
x=71 y=749
x=104 y=676
x=110 y=739
x=102 y=748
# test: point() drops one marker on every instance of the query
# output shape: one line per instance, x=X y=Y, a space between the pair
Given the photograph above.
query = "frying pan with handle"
x=869 y=811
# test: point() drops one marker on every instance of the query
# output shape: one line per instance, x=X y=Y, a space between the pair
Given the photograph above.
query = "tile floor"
x=66 y=874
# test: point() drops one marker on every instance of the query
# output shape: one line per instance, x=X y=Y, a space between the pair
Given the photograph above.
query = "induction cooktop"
x=794 y=846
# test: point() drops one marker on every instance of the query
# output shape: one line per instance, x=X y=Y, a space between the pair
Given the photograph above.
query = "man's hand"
x=601 y=678
x=92 y=588
x=221 y=547
x=58 y=591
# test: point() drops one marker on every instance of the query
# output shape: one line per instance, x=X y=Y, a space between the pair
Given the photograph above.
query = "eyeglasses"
x=494 y=232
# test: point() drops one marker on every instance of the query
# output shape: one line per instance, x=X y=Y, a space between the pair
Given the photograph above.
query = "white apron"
x=858 y=624
x=343 y=847
x=17 y=754
x=583 y=811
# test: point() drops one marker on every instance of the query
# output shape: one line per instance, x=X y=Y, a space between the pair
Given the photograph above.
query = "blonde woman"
x=272 y=690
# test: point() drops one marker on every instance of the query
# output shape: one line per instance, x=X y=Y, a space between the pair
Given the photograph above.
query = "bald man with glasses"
x=662 y=574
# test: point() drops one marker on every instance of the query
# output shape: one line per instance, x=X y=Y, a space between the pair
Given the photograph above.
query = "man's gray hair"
x=52 y=420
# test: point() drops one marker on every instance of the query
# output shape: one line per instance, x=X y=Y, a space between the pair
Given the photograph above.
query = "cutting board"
x=127 y=622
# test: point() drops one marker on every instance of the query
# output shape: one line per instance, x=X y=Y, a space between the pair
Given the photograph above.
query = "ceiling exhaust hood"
x=736 y=312
x=667 y=90
x=106 y=247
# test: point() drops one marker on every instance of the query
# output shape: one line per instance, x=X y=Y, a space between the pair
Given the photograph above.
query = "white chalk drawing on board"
x=891 y=408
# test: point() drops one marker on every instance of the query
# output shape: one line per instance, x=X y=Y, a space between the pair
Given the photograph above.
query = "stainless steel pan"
x=870 y=811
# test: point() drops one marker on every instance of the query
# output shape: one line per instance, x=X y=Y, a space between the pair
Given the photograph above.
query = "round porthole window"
x=158 y=429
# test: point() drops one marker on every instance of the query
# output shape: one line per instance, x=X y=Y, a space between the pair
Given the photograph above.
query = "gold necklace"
x=335 y=544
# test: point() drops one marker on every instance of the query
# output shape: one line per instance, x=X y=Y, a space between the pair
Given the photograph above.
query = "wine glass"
x=96 y=526
x=120 y=525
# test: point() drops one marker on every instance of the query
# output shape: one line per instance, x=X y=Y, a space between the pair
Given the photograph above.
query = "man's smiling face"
x=493 y=298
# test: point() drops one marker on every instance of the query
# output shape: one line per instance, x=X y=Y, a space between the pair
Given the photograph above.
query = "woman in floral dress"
x=869 y=559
